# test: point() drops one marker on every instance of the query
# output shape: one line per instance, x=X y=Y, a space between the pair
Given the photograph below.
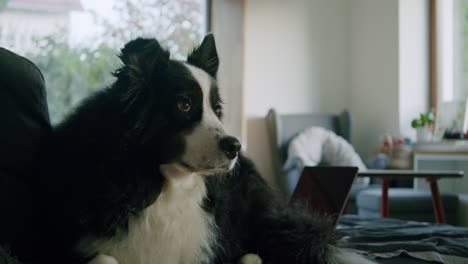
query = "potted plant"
x=424 y=126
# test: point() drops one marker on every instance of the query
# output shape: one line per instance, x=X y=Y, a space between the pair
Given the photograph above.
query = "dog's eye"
x=184 y=105
x=218 y=108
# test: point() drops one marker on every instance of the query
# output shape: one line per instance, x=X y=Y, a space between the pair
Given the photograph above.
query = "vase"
x=423 y=134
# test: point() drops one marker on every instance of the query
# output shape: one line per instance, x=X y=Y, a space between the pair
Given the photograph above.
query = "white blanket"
x=317 y=145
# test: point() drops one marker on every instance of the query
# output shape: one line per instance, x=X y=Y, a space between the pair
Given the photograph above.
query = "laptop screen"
x=325 y=189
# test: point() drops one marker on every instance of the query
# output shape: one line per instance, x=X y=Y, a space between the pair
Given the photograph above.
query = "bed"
x=399 y=241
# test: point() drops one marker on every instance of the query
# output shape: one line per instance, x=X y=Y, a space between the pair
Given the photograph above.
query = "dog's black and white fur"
x=145 y=172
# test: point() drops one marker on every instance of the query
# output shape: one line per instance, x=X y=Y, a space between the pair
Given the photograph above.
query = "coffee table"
x=431 y=176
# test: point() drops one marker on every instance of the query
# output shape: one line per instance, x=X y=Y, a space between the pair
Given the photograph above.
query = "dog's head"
x=174 y=109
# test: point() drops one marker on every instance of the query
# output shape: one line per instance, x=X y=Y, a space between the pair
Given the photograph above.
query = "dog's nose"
x=230 y=146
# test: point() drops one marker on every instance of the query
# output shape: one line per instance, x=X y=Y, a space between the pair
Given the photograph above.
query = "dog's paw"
x=250 y=259
x=103 y=259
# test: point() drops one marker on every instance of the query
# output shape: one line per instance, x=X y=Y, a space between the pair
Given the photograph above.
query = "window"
x=452 y=49
x=75 y=42
x=449 y=66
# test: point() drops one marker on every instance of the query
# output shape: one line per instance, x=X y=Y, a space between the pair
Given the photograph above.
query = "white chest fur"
x=173 y=230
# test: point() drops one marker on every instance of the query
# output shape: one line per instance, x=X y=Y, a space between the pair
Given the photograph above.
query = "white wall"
x=296 y=60
x=369 y=56
x=389 y=68
x=295 y=56
x=227 y=27
x=413 y=62
x=278 y=52
x=278 y=70
x=333 y=61
x=374 y=71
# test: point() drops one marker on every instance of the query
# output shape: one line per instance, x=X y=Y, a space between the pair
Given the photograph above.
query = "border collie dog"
x=144 y=172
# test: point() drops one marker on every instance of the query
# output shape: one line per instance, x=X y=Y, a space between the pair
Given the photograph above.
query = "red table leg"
x=345 y=209
x=437 y=202
x=384 y=202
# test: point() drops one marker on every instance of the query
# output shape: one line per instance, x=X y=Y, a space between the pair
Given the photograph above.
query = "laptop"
x=325 y=189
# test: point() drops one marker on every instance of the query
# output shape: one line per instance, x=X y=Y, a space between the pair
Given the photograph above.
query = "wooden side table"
x=431 y=176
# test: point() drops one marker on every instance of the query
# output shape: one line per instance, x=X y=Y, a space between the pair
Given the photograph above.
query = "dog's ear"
x=143 y=58
x=205 y=56
x=145 y=61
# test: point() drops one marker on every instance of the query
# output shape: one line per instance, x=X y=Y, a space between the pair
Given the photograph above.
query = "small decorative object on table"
x=454 y=134
x=398 y=151
x=424 y=126
x=452 y=120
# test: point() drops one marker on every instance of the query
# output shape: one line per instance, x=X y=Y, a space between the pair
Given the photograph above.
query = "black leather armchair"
x=24 y=127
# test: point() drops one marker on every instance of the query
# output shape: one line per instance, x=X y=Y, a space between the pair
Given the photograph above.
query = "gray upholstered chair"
x=284 y=127
x=25 y=127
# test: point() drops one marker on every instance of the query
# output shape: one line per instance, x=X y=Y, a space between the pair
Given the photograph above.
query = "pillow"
x=316 y=145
